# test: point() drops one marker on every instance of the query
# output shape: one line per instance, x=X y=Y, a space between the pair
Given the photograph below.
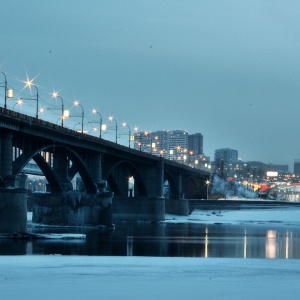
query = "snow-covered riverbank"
x=285 y=216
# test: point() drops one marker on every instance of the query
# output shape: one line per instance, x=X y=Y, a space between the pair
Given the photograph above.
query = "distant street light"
x=129 y=132
x=29 y=84
x=112 y=119
x=19 y=102
x=94 y=111
x=76 y=125
x=8 y=93
x=56 y=95
x=93 y=129
x=207 y=184
x=76 y=103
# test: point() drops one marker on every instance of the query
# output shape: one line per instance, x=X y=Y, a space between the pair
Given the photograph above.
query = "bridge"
x=61 y=153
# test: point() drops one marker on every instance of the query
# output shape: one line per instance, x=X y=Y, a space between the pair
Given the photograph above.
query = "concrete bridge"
x=62 y=153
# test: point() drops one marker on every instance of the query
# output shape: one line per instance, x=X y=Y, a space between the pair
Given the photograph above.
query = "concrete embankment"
x=221 y=204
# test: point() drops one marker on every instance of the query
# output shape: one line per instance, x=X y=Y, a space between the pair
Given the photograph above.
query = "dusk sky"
x=227 y=69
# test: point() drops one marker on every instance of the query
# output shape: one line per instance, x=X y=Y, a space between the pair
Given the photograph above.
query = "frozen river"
x=265 y=233
x=250 y=254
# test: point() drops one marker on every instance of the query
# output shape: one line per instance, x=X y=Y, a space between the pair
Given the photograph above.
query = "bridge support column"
x=154 y=179
x=180 y=189
x=60 y=168
x=13 y=210
x=6 y=159
x=94 y=165
x=178 y=205
x=160 y=178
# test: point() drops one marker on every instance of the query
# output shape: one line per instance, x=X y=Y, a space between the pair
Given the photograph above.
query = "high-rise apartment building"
x=226 y=154
x=160 y=143
x=195 y=143
x=174 y=145
x=142 y=141
x=178 y=144
x=169 y=144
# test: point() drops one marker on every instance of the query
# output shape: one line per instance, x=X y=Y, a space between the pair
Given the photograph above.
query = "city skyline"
x=226 y=69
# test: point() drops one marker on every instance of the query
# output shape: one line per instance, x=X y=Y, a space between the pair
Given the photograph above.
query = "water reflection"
x=174 y=240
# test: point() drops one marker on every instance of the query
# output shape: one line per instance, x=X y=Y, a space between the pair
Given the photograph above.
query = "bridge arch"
x=118 y=175
x=191 y=187
x=51 y=177
x=173 y=184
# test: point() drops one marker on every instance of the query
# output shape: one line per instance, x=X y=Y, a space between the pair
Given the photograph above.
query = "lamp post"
x=29 y=84
x=94 y=111
x=207 y=184
x=8 y=93
x=19 y=102
x=56 y=95
x=76 y=103
x=129 y=132
x=112 y=119
x=75 y=125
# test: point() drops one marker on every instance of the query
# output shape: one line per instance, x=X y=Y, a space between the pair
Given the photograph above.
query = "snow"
x=73 y=277
x=287 y=216
x=106 y=277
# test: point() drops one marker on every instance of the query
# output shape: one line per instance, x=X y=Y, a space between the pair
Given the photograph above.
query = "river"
x=165 y=240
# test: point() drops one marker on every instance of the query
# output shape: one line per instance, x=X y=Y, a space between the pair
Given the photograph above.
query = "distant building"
x=160 y=143
x=226 y=155
x=178 y=144
x=297 y=167
x=142 y=141
x=195 y=143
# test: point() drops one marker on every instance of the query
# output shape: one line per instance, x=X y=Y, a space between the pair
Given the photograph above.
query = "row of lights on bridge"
x=9 y=93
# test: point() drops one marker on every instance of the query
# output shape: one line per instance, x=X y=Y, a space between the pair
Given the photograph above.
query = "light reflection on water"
x=174 y=240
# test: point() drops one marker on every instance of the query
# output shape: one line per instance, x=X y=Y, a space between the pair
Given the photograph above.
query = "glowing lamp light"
x=66 y=114
x=10 y=93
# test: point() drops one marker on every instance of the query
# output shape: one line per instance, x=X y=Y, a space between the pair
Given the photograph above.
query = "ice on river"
x=106 y=277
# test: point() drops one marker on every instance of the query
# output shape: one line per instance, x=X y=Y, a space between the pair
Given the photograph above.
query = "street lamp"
x=56 y=95
x=76 y=103
x=29 y=84
x=8 y=93
x=19 y=102
x=129 y=132
x=207 y=184
x=94 y=111
x=75 y=125
x=112 y=119
x=93 y=129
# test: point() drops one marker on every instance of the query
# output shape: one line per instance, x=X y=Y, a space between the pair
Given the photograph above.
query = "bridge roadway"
x=61 y=153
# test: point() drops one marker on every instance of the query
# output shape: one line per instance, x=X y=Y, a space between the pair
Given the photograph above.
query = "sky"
x=227 y=69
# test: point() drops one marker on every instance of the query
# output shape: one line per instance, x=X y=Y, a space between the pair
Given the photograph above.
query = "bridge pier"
x=154 y=179
x=60 y=168
x=94 y=165
x=13 y=210
x=13 y=204
x=73 y=208
x=6 y=155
